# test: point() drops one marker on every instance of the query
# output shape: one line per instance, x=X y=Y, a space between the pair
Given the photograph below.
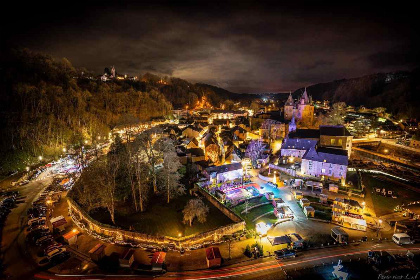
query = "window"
x=340 y=142
x=323 y=170
x=332 y=141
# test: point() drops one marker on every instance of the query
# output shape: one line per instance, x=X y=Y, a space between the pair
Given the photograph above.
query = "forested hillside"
x=398 y=92
x=46 y=105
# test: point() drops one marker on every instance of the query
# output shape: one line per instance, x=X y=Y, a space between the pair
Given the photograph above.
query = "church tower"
x=292 y=124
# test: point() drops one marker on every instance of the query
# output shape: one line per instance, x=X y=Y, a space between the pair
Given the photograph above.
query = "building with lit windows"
x=325 y=163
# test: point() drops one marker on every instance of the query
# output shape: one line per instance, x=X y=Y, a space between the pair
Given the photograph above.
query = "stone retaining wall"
x=108 y=233
x=229 y=213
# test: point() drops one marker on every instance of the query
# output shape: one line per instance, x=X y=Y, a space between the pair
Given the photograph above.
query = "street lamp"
x=27 y=168
x=64 y=150
x=40 y=158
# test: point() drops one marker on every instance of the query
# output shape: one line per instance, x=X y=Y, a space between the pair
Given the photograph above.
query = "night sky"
x=243 y=47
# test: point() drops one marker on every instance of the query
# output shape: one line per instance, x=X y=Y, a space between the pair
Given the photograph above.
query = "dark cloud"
x=240 y=46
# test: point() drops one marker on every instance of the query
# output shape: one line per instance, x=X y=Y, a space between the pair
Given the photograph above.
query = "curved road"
x=18 y=263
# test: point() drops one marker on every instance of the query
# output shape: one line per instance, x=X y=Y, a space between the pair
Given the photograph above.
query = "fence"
x=111 y=234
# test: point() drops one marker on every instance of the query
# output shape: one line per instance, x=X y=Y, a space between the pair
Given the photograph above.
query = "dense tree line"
x=130 y=174
x=47 y=105
x=397 y=92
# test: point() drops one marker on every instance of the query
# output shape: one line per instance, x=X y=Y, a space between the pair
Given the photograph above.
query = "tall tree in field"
x=255 y=150
x=107 y=173
x=132 y=171
x=169 y=172
x=88 y=192
x=336 y=115
x=142 y=185
x=150 y=153
x=195 y=208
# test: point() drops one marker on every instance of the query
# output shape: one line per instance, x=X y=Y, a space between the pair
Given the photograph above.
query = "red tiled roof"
x=97 y=249
x=158 y=258
x=213 y=253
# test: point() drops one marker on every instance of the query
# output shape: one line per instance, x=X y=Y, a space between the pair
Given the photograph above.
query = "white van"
x=402 y=239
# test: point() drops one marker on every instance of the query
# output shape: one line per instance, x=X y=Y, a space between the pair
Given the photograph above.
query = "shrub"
x=247 y=251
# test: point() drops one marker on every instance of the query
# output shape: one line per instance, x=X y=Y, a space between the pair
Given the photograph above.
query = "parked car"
x=37 y=238
x=284 y=254
x=36 y=220
x=24 y=182
x=55 y=252
x=55 y=260
x=36 y=227
x=272 y=184
x=51 y=247
x=43 y=239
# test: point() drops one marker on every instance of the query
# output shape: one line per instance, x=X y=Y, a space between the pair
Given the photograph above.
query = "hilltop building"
x=302 y=110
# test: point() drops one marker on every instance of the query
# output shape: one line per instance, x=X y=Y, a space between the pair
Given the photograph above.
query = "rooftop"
x=298 y=144
x=327 y=155
x=224 y=168
x=305 y=133
x=334 y=130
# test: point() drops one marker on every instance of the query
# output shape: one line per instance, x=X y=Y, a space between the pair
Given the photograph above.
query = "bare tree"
x=195 y=208
x=142 y=186
x=107 y=179
x=169 y=172
x=147 y=148
x=255 y=150
x=336 y=115
x=87 y=192
x=132 y=172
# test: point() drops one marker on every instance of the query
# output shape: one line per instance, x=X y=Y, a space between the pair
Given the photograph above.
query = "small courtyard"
x=164 y=219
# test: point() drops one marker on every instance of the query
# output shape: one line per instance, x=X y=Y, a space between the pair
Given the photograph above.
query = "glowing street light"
x=27 y=168
x=86 y=141
x=64 y=150
x=40 y=158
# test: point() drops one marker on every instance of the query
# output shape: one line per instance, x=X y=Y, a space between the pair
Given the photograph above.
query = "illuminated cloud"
x=240 y=47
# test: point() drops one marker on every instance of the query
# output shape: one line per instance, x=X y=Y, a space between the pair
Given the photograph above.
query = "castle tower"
x=305 y=109
x=289 y=107
x=304 y=99
x=113 y=72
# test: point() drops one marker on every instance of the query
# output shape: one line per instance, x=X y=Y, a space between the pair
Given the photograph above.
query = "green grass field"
x=385 y=205
x=161 y=218
x=258 y=211
x=253 y=201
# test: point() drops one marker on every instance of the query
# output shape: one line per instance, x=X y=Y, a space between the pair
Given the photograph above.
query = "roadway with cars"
x=17 y=262
x=266 y=268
